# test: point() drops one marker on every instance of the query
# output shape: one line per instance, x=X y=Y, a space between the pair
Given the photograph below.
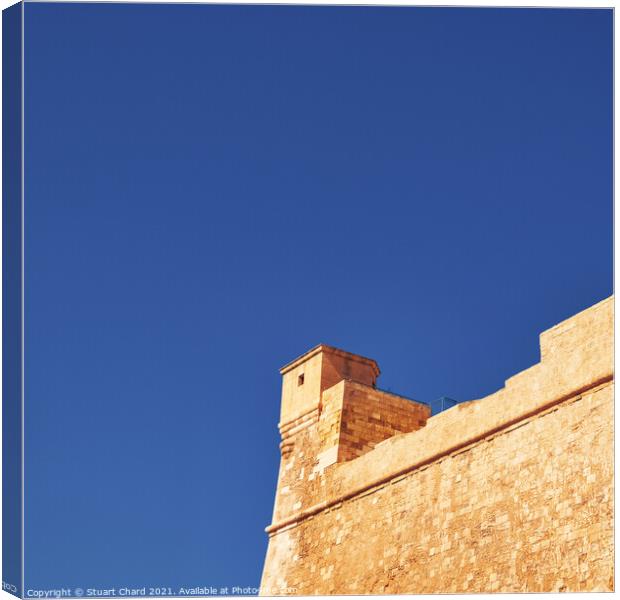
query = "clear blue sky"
x=212 y=190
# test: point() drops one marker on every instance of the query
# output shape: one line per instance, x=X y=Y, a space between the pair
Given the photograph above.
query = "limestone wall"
x=513 y=492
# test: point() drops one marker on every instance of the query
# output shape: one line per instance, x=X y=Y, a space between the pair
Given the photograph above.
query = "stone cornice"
x=330 y=350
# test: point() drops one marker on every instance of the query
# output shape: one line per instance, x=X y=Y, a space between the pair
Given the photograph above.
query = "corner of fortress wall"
x=510 y=493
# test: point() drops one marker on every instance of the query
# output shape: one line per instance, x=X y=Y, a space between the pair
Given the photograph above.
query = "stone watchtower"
x=331 y=413
x=333 y=392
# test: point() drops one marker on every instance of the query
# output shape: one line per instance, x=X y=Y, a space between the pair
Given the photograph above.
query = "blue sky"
x=212 y=190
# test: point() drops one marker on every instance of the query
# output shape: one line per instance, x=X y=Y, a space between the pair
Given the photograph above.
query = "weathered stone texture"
x=510 y=493
x=356 y=417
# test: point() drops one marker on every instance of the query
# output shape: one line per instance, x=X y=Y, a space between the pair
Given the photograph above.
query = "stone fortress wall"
x=510 y=493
